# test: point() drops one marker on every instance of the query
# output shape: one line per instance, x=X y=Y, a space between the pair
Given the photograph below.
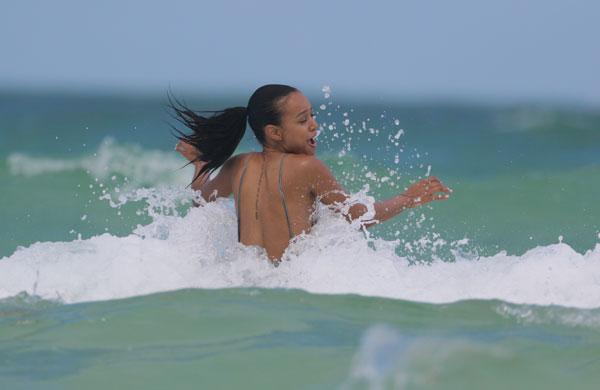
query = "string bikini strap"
x=239 y=196
x=285 y=209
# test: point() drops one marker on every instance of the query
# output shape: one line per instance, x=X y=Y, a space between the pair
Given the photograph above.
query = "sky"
x=494 y=49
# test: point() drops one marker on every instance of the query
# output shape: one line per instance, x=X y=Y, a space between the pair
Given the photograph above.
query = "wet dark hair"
x=217 y=136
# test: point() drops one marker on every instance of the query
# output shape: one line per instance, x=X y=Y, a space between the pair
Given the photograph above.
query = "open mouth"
x=313 y=141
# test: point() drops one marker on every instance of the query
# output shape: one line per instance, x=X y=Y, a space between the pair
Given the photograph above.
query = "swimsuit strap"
x=285 y=210
x=240 y=194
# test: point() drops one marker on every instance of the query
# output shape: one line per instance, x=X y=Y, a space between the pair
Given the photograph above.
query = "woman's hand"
x=188 y=151
x=427 y=190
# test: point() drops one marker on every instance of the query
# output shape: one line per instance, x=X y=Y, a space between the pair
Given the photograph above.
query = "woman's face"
x=298 y=125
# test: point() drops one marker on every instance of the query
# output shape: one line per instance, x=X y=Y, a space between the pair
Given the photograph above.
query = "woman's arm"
x=210 y=188
x=418 y=194
x=326 y=188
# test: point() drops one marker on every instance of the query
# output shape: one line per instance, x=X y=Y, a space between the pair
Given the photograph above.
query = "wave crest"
x=140 y=166
x=200 y=250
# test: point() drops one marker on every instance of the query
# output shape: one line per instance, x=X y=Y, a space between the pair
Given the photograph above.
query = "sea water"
x=109 y=278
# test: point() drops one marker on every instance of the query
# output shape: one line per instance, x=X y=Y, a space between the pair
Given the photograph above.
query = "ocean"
x=110 y=279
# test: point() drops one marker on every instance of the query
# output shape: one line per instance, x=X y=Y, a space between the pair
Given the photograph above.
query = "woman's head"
x=296 y=129
x=280 y=117
x=265 y=108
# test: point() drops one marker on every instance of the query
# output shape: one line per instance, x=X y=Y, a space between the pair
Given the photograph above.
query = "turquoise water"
x=107 y=279
x=252 y=338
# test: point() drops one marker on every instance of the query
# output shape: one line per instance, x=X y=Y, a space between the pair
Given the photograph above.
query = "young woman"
x=275 y=190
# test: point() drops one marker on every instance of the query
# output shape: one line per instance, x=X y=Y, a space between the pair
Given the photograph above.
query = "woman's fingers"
x=183 y=147
x=428 y=190
x=437 y=181
x=432 y=181
x=437 y=187
x=188 y=151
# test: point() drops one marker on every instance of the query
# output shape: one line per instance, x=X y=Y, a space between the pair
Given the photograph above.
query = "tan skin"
x=305 y=180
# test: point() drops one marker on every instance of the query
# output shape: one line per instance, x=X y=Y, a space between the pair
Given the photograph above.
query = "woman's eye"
x=305 y=119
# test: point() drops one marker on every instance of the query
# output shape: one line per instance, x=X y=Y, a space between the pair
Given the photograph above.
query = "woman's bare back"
x=272 y=201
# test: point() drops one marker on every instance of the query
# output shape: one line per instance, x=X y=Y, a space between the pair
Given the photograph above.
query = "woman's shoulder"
x=304 y=160
x=238 y=159
x=301 y=160
x=305 y=165
x=298 y=164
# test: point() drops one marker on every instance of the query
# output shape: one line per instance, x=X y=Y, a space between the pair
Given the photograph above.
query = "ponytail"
x=216 y=137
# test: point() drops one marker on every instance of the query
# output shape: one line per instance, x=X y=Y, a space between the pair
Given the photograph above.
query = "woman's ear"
x=274 y=133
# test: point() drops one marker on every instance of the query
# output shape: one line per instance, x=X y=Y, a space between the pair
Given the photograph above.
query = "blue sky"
x=493 y=49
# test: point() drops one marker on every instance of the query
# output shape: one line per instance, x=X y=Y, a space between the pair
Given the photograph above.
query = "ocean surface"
x=110 y=279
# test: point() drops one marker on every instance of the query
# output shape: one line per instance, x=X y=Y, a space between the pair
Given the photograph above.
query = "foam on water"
x=140 y=166
x=200 y=250
x=388 y=358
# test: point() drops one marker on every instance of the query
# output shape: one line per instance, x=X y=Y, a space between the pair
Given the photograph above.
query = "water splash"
x=198 y=248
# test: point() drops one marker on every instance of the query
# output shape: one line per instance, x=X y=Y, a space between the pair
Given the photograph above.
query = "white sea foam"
x=200 y=250
x=527 y=314
x=387 y=358
x=139 y=165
